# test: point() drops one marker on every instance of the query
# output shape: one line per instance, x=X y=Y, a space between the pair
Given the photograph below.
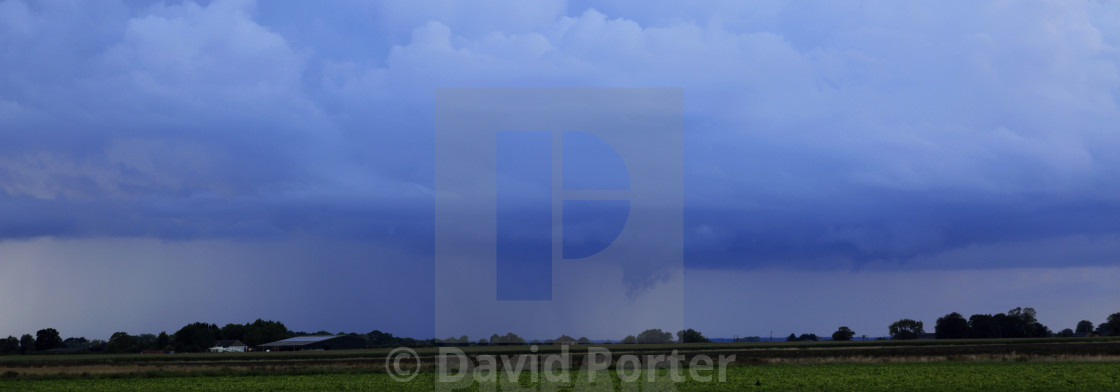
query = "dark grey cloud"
x=833 y=131
x=286 y=141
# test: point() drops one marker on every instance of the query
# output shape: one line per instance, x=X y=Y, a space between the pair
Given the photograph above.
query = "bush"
x=906 y=329
x=654 y=336
x=691 y=336
x=843 y=334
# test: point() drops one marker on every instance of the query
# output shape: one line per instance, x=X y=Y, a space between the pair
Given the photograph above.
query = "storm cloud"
x=819 y=136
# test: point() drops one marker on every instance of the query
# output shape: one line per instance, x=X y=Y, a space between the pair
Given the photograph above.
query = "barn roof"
x=228 y=343
x=302 y=340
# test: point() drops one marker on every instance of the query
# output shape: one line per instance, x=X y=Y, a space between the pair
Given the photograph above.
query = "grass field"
x=1034 y=364
x=764 y=352
x=930 y=376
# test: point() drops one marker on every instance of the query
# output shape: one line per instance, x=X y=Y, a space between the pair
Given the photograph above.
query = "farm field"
x=764 y=352
x=930 y=376
x=1030 y=364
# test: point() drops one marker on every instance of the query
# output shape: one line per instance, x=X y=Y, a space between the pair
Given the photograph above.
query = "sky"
x=844 y=163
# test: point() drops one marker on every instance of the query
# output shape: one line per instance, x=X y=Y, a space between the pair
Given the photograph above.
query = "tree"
x=163 y=341
x=145 y=341
x=1066 y=333
x=982 y=326
x=46 y=339
x=951 y=326
x=512 y=338
x=26 y=344
x=9 y=345
x=1113 y=324
x=691 y=336
x=1103 y=329
x=121 y=342
x=1023 y=323
x=629 y=339
x=654 y=336
x=843 y=334
x=1084 y=326
x=1041 y=331
x=457 y=341
x=583 y=340
x=260 y=332
x=809 y=337
x=906 y=329
x=197 y=337
x=377 y=338
x=1005 y=326
x=78 y=343
x=234 y=332
x=791 y=338
x=1017 y=323
x=508 y=338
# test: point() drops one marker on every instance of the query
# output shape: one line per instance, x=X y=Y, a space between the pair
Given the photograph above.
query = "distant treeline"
x=1016 y=323
x=200 y=337
x=194 y=337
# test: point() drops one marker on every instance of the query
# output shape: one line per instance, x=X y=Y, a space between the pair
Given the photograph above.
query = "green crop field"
x=1021 y=365
x=932 y=376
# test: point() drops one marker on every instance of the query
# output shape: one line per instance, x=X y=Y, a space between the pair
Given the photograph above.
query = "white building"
x=229 y=346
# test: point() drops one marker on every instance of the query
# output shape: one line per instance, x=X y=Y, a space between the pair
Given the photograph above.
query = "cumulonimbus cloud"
x=875 y=132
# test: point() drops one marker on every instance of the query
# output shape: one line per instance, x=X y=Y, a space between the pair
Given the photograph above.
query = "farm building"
x=320 y=342
x=564 y=340
x=229 y=346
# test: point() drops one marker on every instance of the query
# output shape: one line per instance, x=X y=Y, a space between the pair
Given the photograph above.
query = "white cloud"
x=913 y=96
x=474 y=18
